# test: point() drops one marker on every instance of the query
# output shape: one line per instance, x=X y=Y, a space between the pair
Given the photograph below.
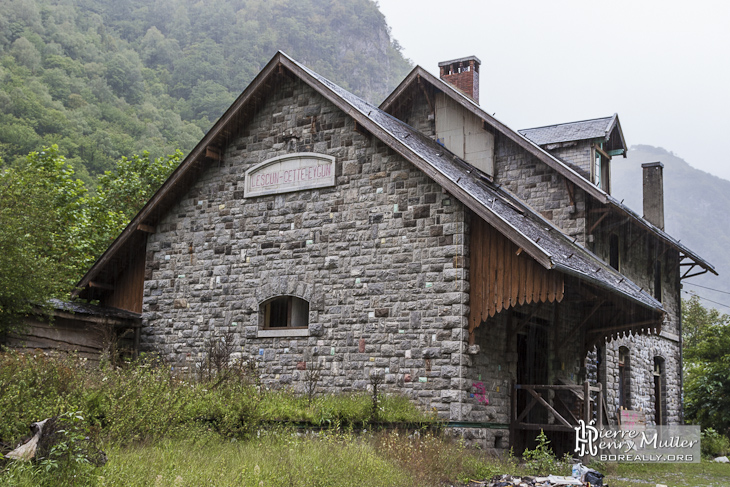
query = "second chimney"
x=654 y=193
x=463 y=74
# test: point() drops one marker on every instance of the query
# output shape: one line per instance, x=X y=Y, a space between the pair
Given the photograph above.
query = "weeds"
x=311 y=379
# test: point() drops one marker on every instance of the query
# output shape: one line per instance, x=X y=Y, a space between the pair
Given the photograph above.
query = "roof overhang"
x=444 y=168
x=613 y=129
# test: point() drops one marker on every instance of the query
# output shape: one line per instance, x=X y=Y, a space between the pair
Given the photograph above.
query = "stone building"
x=466 y=263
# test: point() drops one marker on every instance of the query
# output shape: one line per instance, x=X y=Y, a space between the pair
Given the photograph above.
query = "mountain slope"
x=109 y=78
x=696 y=207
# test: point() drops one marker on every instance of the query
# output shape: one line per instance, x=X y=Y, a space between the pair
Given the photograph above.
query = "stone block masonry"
x=379 y=257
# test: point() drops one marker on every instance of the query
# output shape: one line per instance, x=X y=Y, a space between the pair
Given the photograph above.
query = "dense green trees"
x=706 y=335
x=52 y=228
x=107 y=78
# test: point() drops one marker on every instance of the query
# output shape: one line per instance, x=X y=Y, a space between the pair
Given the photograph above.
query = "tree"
x=52 y=229
x=706 y=337
x=121 y=193
x=39 y=209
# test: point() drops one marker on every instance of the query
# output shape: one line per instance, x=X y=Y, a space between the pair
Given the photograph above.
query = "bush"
x=541 y=460
x=714 y=444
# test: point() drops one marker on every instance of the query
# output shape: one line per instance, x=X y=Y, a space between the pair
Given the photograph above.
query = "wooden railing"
x=561 y=410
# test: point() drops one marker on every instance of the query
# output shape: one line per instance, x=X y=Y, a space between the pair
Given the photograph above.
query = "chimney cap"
x=652 y=164
x=460 y=60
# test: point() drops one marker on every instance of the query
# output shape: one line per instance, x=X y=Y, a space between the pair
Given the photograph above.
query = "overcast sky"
x=664 y=67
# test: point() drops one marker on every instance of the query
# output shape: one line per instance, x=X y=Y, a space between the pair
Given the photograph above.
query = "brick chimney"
x=463 y=74
x=654 y=193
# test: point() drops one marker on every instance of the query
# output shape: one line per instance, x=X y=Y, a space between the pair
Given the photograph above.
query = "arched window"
x=283 y=316
x=624 y=378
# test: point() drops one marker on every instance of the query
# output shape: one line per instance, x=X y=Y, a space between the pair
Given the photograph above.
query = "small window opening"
x=613 y=251
x=658 y=281
x=624 y=378
x=285 y=312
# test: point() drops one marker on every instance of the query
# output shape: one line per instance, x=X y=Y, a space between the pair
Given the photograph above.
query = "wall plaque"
x=291 y=172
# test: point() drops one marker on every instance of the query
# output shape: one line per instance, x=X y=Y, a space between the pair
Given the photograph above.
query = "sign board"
x=291 y=172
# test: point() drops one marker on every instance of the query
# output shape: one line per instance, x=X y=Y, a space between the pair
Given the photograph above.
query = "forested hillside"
x=696 y=212
x=110 y=78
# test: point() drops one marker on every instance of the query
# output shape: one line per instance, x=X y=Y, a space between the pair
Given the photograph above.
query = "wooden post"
x=586 y=402
x=600 y=405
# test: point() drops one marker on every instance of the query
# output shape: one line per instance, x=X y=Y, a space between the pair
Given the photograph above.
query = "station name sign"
x=291 y=172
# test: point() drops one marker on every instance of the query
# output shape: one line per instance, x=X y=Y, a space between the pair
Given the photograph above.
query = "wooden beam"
x=627 y=327
x=524 y=322
x=571 y=191
x=213 y=153
x=526 y=410
x=100 y=320
x=425 y=93
x=143 y=227
x=101 y=285
x=602 y=152
x=362 y=130
x=704 y=271
x=585 y=320
x=549 y=407
x=598 y=222
x=546 y=427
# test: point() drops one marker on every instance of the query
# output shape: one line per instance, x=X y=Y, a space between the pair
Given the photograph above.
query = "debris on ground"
x=27 y=450
x=49 y=433
x=721 y=460
x=589 y=477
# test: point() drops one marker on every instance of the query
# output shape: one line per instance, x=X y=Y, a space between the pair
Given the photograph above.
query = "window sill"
x=283 y=332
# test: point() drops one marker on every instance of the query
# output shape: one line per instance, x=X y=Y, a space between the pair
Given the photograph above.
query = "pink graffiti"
x=480 y=393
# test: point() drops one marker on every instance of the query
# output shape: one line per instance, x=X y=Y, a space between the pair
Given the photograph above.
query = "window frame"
x=266 y=330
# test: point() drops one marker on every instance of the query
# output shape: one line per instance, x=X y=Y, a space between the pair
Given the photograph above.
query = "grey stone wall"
x=546 y=191
x=380 y=257
x=637 y=254
x=541 y=187
x=577 y=155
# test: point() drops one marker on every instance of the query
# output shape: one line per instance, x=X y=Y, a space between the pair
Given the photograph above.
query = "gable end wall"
x=380 y=257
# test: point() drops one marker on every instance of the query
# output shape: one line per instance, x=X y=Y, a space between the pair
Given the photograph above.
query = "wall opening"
x=624 y=378
x=658 y=281
x=284 y=312
x=613 y=251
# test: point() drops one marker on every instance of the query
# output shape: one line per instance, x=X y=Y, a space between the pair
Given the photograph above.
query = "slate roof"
x=93 y=310
x=598 y=128
x=543 y=155
x=537 y=236
x=563 y=254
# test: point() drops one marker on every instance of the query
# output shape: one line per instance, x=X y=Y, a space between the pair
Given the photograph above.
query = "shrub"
x=541 y=460
x=714 y=444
